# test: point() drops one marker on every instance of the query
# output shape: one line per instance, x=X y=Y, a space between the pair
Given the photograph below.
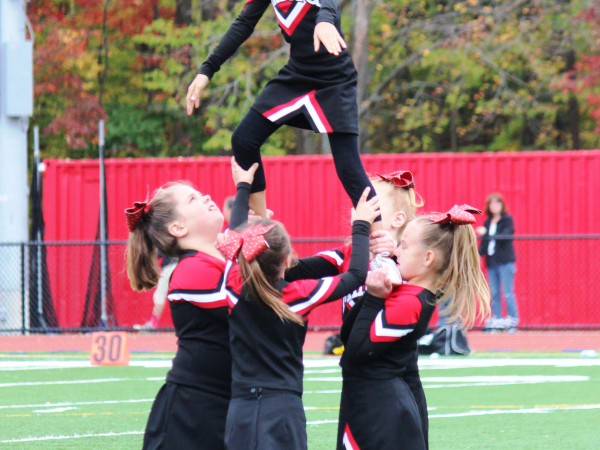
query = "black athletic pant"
x=255 y=129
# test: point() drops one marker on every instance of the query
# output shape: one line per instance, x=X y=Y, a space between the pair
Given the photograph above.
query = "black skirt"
x=266 y=420
x=183 y=417
x=379 y=414
x=316 y=93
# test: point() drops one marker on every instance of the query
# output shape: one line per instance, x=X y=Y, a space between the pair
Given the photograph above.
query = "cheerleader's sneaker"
x=494 y=324
x=382 y=260
x=511 y=324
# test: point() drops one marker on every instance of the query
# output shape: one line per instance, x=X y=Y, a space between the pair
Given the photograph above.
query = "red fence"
x=548 y=193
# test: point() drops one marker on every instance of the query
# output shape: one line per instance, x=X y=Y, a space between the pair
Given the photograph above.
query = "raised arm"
x=240 y=208
x=328 y=12
x=303 y=296
x=240 y=30
x=243 y=181
x=327 y=263
x=236 y=35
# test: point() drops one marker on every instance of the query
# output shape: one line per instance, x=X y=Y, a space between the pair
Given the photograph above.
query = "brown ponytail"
x=149 y=235
x=261 y=274
x=459 y=269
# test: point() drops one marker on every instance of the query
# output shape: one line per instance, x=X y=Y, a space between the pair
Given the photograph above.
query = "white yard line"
x=504 y=378
x=497 y=380
x=324 y=371
x=324 y=379
x=315 y=422
x=331 y=391
x=541 y=410
x=94 y=380
x=61 y=404
x=43 y=383
x=54 y=410
x=75 y=436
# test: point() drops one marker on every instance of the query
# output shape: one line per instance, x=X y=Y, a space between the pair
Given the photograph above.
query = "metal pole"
x=23 y=296
x=16 y=106
x=103 y=237
x=38 y=235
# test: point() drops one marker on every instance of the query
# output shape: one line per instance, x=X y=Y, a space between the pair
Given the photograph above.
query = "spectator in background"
x=227 y=206
x=500 y=261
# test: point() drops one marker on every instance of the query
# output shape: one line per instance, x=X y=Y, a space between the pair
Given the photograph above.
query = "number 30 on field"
x=109 y=349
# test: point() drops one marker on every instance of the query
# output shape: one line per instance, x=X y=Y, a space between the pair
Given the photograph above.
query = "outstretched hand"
x=192 y=99
x=240 y=175
x=381 y=241
x=367 y=210
x=378 y=283
x=327 y=33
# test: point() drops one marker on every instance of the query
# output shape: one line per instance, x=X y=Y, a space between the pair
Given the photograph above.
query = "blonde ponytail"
x=459 y=269
x=262 y=273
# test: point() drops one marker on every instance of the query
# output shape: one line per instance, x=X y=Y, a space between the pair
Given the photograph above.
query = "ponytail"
x=459 y=269
x=150 y=235
x=262 y=272
x=142 y=264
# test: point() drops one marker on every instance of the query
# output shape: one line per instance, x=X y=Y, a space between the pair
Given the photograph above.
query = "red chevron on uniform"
x=349 y=442
x=291 y=18
x=307 y=101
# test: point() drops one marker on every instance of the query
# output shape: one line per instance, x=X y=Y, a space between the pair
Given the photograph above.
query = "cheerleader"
x=267 y=324
x=378 y=409
x=315 y=90
x=190 y=409
x=399 y=204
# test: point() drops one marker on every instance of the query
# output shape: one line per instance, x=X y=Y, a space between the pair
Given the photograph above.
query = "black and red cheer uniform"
x=378 y=408
x=191 y=408
x=333 y=262
x=314 y=90
x=266 y=410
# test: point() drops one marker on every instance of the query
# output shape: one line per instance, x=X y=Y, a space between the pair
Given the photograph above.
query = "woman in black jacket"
x=500 y=261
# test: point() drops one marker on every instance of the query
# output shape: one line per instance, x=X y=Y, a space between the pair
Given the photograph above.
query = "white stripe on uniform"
x=333 y=255
x=315 y=298
x=380 y=330
x=211 y=297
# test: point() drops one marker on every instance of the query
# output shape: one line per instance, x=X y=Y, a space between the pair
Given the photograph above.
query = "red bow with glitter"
x=458 y=215
x=134 y=213
x=251 y=241
x=400 y=178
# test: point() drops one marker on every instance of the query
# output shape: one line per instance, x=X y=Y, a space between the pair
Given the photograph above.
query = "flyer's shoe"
x=382 y=260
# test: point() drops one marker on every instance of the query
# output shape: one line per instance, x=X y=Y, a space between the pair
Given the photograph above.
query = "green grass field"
x=486 y=401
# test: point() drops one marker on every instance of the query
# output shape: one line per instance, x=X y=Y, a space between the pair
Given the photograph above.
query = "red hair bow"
x=458 y=215
x=251 y=241
x=134 y=213
x=400 y=178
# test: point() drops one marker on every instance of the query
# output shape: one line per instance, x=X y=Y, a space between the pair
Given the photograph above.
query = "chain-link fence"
x=59 y=287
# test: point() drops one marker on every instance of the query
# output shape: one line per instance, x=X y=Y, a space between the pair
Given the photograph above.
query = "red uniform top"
x=380 y=335
x=198 y=296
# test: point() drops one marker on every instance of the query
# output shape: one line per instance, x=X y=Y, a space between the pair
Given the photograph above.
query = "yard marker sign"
x=109 y=349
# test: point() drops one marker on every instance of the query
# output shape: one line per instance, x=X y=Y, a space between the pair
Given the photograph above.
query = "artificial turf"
x=506 y=416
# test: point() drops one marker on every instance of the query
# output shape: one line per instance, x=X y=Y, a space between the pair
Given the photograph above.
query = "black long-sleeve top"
x=504 y=251
x=380 y=335
x=266 y=351
x=297 y=20
x=198 y=303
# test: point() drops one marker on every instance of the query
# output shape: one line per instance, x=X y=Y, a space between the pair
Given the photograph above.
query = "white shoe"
x=146 y=326
x=382 y=260
x=511 y=324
